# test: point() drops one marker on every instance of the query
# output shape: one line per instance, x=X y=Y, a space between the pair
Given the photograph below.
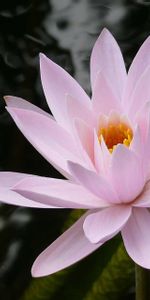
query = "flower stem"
x=142 y=283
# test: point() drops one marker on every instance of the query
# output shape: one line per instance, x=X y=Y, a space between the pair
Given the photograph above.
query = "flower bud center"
x=114 y=134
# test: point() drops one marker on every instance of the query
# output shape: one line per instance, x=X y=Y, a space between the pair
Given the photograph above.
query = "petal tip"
x=7 y=99
x=43 y=59
x=42 y=55
x=105 y=33
x=37 y=270
x=34 y=273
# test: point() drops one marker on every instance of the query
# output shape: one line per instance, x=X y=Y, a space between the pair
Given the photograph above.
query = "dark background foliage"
x=64 y=30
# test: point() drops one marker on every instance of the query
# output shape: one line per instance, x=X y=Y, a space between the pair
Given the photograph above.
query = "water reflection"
x=65 y=31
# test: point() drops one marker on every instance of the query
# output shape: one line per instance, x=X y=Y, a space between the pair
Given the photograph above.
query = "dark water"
x=64 y=30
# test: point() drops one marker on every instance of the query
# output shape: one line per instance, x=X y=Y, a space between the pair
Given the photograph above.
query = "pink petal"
x=104 y=224
x=98 y=155
x=102 y=156
x=13 y=198
x=95 y=183
x=51 y=140
x=106 y=157
x=142 y=119
x=141 y=93
x=57 y=192
x=7 y=181
x=76 y=110
x=103 y=99
x=106 y=56
x=57 y=83
x=136 y=237
x=17 y=102
x=84 y=140
x=138 y=66
x=126 y=174
x=69 y=248
x=143 y=200
x=137 y=145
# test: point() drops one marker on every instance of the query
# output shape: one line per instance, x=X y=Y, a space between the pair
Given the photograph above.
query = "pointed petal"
x=143 y=122
x=137 y=145
x=57 y=192
x=13 y=198
x=18 y=102
x=106 y=156
x=103 y=98
x=93 y=182
x=142 y=119
x=7 y=181
x=126 y=174
x=69 y=248
x=76 y=110
x=102 y=156
x=138 y=66
x=51 y=140
x=143 y=200
x=84 y=141
x=104 y=224
x=106 y=56
x=136 y=237
x=141 y=93
x=98 y=156
x=57 y=83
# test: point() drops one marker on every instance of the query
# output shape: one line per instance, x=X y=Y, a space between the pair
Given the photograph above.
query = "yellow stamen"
x=115 y=134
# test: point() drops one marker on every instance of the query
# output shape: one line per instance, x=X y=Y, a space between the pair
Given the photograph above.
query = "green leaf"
x=115 y=280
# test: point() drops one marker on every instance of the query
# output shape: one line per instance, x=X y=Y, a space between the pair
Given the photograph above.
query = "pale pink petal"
x=8 y=179
x=104 y=224
x=106 y=156
x=57 y=83
x=137 y=145
x=18 y=102
x=136 y=237
x=141 y=94
x=143 y=200
x=98 y=155
x=13 y=198
x=7 y=196
x=138 y=66
x=51 y=140
x=95 y=183
x=84 y=139
x=57 y=192
x=126 y=174
x=142 y=119
x=106 y=56
x=102 y=156
x=103 y=98
x=76 y=110
x=69 y=248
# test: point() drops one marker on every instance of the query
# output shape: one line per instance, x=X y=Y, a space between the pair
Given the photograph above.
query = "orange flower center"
x=114 y=134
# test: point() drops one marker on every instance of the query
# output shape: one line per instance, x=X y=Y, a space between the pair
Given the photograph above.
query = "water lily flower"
x=102 y=147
